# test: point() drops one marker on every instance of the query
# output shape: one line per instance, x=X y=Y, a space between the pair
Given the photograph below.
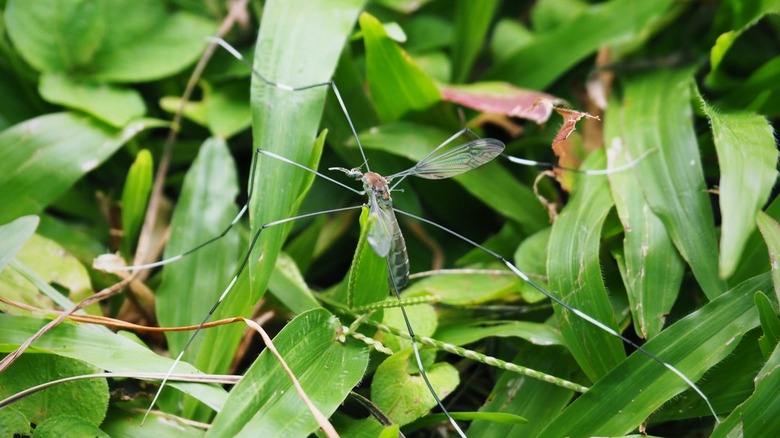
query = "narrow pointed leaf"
x=748 y=159
x=298 y=45
x=575 y=275
x=671 y=176
x=651 y=268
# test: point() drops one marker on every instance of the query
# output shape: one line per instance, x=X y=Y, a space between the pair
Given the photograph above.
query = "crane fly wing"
x=456 y=160
x=380 y=233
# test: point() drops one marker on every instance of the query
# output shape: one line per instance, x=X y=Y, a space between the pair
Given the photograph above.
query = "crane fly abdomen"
x=398 y=258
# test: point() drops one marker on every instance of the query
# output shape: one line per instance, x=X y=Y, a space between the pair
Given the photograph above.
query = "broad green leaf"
x=13 y=235
x=87 y=399
x=748 y=159
x=530 y=398
x=547 y=15
x=298 y=45
x=397 y=84
x=191 y=286
x=135 y=196
x=726 y=385
x=43 y=157
x=624 y=398
x=543 y=60
x=656 y=119
x=113 y=105
x=14 y=423
x=575 y=274
x=758 y=415
x=770 y=230
x=650 y=266
x=404 y=397
x=106 y=41
x=265 y=403
x=103 y=349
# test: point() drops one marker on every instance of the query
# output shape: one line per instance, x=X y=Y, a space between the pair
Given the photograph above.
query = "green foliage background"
x=679 y=252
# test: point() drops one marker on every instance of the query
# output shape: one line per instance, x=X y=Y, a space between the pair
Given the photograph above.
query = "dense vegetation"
x=676 y=251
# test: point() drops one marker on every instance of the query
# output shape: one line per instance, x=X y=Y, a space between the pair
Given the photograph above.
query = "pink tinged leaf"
x=502 y=98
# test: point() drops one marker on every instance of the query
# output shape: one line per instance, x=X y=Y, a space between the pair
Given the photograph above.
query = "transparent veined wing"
x=454 y=161
x=380 y=232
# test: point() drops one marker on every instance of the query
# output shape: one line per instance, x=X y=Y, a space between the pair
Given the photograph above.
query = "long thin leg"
x=229 y=287
x=544 y=165
x=574 y=310
x=238 y=216
x=417 y=354
x=281 y=86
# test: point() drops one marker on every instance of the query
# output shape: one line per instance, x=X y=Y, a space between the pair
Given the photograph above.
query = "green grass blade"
x=367 y=280
x=671 y=177
x=191 y=286
x=298 y=45
x=135 y=196
x=651 y=268
x=575 y=274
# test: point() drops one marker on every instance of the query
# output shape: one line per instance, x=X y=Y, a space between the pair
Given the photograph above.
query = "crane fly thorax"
x=376 y=184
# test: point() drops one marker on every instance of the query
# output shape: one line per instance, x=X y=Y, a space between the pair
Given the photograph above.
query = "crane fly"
x=385 y=236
